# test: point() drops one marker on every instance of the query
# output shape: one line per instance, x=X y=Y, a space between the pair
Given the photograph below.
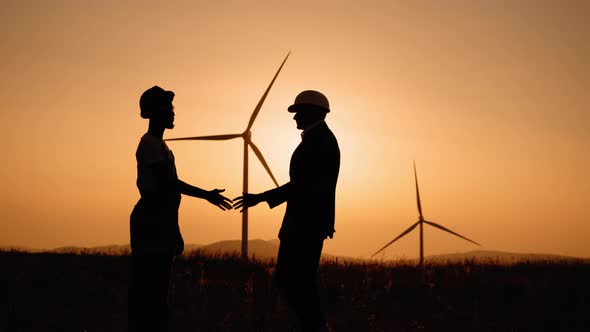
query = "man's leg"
x=311 y=314
x=285 y=270
x=297 y=265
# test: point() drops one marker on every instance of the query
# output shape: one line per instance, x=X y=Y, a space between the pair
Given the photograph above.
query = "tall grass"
x=77 y=292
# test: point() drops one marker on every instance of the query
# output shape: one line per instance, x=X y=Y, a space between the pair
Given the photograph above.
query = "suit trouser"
x=148 y=292
x=296 y=275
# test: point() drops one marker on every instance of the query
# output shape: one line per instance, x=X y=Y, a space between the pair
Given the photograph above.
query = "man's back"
x=313 y=175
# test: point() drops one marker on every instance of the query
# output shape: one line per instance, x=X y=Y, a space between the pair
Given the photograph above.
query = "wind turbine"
x=247 y=136
x=420 y=222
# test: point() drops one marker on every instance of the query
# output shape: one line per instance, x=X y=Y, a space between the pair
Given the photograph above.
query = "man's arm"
x=273 y=197
x=277 y=196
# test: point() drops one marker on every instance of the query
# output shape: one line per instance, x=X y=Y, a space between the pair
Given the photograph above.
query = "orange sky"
x=487 y=96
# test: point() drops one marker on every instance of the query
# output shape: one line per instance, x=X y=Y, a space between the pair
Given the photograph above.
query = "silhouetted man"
x=309 y=218
x=155 y=235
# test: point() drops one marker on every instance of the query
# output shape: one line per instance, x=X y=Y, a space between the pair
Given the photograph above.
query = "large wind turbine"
x=420 y=222
x=247 y=136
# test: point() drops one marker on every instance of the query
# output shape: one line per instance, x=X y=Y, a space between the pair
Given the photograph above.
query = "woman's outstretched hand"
x=214 y=197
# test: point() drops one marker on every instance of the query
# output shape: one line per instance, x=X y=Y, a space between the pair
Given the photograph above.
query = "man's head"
x=156 y=104
x=310 y=106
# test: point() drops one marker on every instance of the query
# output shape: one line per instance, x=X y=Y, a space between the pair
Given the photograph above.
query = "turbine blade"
x=417 y=191
x=257 y=109
x=450 y=231
x=261 y=158
x=206 y=138
x=397 y=238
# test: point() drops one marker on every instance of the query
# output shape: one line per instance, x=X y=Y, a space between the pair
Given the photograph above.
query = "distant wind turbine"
x=247 y=136
x=420 y=222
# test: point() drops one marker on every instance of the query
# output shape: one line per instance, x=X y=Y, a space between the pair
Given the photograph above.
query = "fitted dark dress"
x=155 y=235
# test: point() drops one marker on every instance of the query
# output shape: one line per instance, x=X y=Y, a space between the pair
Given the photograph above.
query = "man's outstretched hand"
x=214 y=197
x=246 y=201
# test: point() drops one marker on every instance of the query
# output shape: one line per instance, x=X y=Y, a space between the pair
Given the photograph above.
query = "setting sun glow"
x=489 y=98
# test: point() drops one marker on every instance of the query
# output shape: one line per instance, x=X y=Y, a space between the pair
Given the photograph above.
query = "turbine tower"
x=247 y=136
x=420 y=222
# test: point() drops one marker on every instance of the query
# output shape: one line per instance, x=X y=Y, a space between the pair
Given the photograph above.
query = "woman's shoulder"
x=150 y=149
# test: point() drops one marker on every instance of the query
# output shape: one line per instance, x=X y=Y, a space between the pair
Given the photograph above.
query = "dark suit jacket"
x=310 y=193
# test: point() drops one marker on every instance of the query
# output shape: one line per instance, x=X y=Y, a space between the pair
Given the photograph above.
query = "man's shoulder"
x=320 y=131
x=322 y=142
x=326 y=135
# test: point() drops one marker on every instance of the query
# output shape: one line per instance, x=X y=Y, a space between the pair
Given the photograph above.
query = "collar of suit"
x=311 y=127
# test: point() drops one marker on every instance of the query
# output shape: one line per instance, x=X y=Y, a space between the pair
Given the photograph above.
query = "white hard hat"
x=310 y=99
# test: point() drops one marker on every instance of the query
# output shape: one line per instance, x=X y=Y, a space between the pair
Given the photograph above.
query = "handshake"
x=241 y=202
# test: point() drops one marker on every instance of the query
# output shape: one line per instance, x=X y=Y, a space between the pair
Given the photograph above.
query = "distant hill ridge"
x=267 y=249
x=258 y=247
x=500 y=257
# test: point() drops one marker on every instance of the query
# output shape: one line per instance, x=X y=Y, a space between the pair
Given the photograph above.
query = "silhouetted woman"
x=155 y=235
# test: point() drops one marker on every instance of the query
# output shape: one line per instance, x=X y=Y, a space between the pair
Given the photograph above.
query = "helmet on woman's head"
x=151 y=100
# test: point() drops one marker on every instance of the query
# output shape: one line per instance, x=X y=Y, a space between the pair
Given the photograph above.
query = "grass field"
x=68 y=292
